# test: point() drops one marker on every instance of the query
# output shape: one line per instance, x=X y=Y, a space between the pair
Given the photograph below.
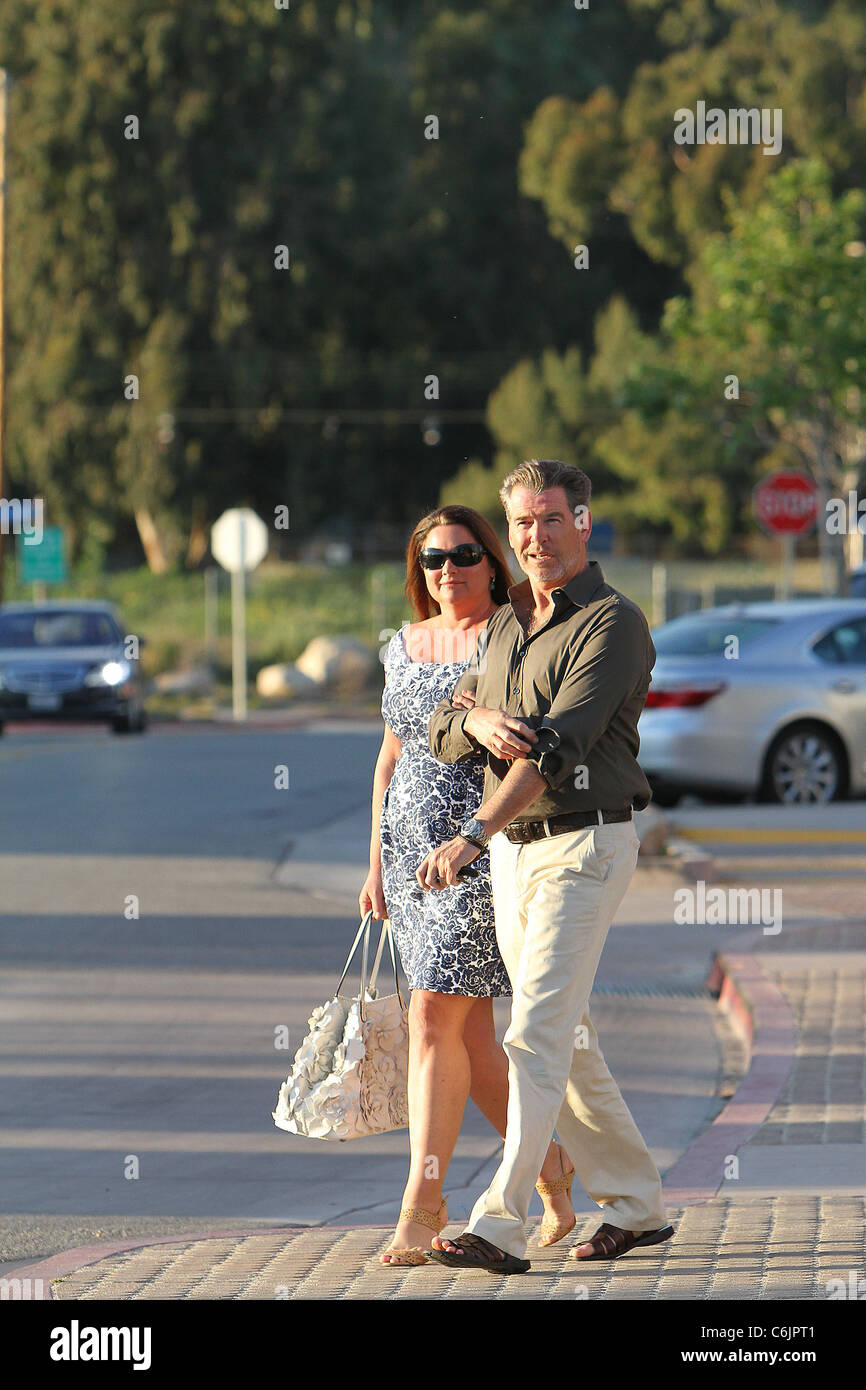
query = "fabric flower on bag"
x=391 y=1038
x=386 y=1069
x=374 y=1105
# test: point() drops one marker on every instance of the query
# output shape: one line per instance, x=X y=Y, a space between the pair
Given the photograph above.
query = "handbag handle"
x=364 y=932
x=387 y=930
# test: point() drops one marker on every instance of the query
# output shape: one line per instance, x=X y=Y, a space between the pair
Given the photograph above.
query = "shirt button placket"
x=519 y=686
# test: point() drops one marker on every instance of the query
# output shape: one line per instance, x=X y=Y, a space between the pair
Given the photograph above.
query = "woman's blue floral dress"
x=447 y=938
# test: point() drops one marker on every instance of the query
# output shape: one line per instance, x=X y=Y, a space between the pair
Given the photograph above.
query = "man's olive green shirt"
x=580 y=682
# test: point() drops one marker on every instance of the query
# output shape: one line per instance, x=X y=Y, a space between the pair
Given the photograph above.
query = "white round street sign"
x=239 y=540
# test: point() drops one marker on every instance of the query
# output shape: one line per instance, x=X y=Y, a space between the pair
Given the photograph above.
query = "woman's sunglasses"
x=463 y=556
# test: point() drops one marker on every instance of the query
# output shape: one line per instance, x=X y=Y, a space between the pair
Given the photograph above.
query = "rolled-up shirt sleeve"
x=449 y=741
x=609 y=667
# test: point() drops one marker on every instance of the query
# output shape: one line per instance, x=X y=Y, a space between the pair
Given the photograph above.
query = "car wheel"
x=805 y=765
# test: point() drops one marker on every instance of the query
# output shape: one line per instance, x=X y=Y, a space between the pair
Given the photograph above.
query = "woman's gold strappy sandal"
x=415 y=1254
x=552 y=1231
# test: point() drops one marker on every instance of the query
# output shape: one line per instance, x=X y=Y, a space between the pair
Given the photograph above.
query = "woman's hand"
x=372 y=897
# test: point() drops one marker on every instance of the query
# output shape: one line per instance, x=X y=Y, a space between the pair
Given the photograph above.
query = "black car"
x=69 y=660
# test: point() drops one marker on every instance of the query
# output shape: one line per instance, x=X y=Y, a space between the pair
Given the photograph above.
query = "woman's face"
x=465 y=587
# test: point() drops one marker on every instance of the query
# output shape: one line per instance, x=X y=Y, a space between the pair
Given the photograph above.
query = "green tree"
x=154 y=256
x=611 y=163
x=671 y=453
x=663 y=474
x=780 y=305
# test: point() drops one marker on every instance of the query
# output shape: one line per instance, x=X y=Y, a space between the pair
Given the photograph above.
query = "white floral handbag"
x=349 y=1074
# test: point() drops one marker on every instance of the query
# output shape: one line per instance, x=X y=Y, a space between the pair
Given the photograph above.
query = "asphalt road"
x=164 y=908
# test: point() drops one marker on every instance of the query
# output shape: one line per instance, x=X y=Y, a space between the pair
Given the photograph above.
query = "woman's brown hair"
x=423 y=603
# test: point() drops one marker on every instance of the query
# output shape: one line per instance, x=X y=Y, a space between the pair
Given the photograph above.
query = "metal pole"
x=829 y=548
x=210 y=615
x=659 y=594
x=4 y=86
x=788 y=543
x=239 y=636
x=377 y=577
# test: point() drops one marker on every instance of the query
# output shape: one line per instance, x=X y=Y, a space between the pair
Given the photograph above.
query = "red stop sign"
x=786 y=503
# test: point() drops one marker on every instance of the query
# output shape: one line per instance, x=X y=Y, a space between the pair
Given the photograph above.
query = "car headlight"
x=110 y=673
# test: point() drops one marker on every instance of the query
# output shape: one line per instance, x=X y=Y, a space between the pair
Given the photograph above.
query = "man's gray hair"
x=540 y=474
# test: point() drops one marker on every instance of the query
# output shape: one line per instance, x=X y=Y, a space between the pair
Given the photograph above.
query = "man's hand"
x=439 y=868
x=503 y=734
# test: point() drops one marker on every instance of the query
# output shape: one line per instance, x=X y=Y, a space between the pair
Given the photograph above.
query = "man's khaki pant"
x=554 y=900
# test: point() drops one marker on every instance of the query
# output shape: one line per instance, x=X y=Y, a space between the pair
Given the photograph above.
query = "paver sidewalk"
x=769 y=1202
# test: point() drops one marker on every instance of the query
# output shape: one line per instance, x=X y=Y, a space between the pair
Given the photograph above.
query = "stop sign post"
x=786 y=504
x=239 y=542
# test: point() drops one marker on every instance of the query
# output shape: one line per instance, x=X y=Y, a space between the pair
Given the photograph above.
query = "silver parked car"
x=761 y=698
x=65 y=660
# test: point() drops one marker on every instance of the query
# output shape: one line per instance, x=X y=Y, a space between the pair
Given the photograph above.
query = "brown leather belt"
x=522 y=832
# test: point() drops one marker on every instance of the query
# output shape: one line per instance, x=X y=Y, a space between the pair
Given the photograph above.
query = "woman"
x=456 y=577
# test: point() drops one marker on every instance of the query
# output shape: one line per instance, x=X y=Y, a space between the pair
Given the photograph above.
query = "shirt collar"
x=579 y=589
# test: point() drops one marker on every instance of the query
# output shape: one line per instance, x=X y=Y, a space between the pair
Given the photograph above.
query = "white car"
x=766 y=699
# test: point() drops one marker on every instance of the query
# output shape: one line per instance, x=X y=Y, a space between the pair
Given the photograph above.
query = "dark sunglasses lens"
x=462 y=556
x=466 y=555
x=433 y=559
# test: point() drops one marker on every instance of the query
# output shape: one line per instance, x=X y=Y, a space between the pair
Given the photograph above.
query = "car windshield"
x=696 y=635
x=56 y=628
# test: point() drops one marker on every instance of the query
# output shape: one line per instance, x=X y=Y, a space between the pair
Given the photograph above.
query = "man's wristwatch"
x=475 y=833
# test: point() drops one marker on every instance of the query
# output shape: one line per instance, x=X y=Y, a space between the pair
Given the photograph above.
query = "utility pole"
x=4 y=88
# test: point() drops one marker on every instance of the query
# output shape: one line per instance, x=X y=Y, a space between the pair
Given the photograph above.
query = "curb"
x=691 y=861
x=270 y=720
x=762 y=1015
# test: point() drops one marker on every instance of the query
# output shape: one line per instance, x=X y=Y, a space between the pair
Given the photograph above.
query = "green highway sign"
x=44 y=563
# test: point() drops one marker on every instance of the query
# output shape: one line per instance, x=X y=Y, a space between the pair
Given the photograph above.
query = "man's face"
x=547 y=537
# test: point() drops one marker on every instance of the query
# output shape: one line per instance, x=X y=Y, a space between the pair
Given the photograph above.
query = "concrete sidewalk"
x=769 y=1201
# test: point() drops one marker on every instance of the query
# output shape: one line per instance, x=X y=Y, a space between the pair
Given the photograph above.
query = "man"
x=557 y=690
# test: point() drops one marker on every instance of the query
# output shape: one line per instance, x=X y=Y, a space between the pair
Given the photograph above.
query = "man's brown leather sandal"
x=479 y=1254
x=611 y=1241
